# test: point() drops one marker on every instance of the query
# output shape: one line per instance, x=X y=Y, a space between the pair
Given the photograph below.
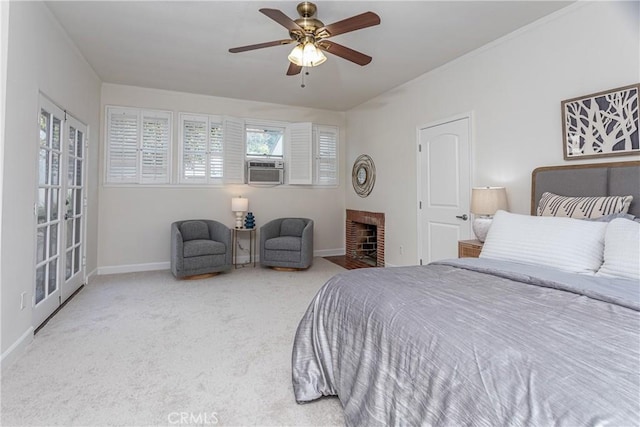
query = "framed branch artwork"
x=601 y=124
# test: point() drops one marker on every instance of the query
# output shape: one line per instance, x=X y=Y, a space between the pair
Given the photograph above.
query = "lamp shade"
x=239 y=204
x=488 y=200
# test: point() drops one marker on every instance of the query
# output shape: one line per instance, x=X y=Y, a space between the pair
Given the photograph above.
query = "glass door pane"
x=74 y=207
x=49 y=191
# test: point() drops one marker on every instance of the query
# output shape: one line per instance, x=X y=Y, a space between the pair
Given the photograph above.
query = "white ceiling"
x=183 y=46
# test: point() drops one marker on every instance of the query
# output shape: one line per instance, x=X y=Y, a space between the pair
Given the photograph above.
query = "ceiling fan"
x=311 y=36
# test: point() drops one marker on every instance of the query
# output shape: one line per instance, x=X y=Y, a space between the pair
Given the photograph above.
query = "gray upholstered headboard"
x=598 y=179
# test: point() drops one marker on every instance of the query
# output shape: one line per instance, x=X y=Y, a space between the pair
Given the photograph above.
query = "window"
x=138 y=146
x=202 y=149
x=300 y=153
x=264 y=141
x=312 y=154
x=211 y=149
x=326 y=155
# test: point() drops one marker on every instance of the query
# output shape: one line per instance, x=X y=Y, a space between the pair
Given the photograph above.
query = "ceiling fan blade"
x=260 y=45
x=364 y=20
x=344 y=52
x=293 y=69
x=282 y=19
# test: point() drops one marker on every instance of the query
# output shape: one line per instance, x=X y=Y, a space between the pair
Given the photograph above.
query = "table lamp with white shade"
x=485 y=202
x=239 y=205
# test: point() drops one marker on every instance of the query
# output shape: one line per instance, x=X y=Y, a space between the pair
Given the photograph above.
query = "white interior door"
x=444 y=181
x=60 y=216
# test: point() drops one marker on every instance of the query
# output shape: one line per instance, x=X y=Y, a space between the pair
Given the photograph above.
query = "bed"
x=524 y=335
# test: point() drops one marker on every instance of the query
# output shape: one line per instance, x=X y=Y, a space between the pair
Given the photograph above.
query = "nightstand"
x=469 y=248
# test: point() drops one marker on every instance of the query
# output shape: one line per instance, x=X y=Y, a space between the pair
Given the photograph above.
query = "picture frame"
x=602 y=124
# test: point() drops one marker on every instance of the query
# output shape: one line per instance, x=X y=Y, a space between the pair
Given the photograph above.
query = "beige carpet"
x=145 y=349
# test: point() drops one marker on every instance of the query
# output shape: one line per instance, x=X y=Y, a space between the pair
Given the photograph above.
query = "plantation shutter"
x=122 y=145
x=234 y=150
x=300 y=165
x=216 y=149
x=138 y=146
x=326 y=155
x=156 y=162
x=194 y=148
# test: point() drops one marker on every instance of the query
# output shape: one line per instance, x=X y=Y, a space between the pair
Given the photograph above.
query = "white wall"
x=40 y=58
x=4 y=38
x=135 y=220
x=514 y=88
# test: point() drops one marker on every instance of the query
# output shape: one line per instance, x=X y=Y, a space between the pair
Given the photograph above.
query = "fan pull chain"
x=305 y=72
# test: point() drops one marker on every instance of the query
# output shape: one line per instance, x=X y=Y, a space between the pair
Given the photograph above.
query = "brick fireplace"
x=365 y=237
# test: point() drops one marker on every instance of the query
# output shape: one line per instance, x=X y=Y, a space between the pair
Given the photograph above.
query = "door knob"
x=463 y=217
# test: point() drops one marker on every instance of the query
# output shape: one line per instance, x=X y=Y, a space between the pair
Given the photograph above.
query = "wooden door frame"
x=466 y=115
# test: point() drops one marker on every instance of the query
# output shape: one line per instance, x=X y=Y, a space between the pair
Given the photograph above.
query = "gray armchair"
x=287 y=243
x=199 y=246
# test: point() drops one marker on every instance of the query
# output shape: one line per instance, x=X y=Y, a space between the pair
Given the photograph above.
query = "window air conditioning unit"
x=265 y=172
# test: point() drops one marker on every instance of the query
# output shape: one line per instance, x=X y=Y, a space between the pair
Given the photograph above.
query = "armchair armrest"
x=221 y=233
x=270 y=230
x=307 y=243
x=177 y=249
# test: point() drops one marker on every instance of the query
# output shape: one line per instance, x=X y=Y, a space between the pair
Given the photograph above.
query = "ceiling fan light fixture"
x=310 y=35
x=307 y=55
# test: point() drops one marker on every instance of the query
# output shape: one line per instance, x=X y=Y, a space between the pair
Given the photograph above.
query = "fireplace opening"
x=366 y=247
x=365 y=238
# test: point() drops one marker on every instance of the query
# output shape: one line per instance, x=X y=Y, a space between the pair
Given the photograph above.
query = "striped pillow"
x=621 y=250
x=582 y=207
x=567 y=244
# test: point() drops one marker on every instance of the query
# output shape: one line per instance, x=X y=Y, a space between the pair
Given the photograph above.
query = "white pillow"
x=621 y=250
x=567 y=244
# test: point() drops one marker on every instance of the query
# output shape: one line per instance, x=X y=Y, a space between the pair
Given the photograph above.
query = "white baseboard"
x=319 y=253
x=16 y=350
x=152 y=266
x=329 y=252
x=91 y=275
x=134 y=268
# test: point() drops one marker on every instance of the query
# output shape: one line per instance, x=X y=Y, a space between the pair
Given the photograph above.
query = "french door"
x=74 y=207
x=59 y=269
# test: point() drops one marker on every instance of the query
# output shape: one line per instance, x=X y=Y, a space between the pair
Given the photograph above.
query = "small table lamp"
x=485 y=202
x=239 y=205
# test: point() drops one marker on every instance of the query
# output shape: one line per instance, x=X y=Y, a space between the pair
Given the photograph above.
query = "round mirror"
x=363 y=175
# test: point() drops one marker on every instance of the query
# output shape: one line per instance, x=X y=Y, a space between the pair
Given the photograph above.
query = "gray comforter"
x=473 y=343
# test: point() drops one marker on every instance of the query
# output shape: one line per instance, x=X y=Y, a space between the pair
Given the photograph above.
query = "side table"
x=252 y=246
x=469 y=248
